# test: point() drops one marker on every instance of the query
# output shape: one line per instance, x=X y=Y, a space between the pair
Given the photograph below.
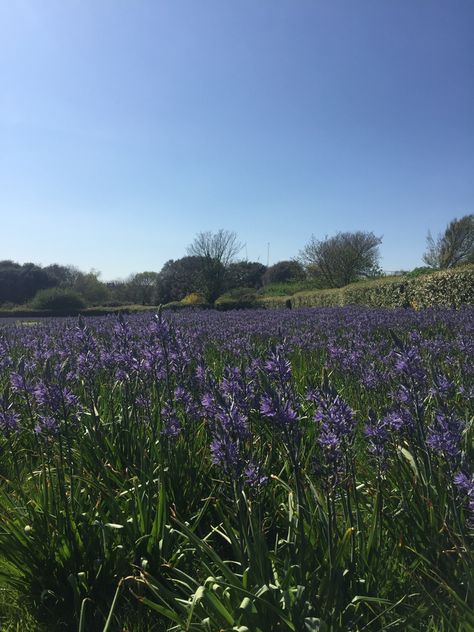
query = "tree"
x=19 y=283
x=222 y=246
x=89 y=286
x=143 y=287
x=283 y=272
x=216 y=251
x=120 y=292
x=454 y=247
x=178 y=278
x=64 y=276
x=245 y=274
x=342 y=259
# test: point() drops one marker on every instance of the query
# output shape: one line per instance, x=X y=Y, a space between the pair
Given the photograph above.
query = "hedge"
x=447 y=288
x=450 y=288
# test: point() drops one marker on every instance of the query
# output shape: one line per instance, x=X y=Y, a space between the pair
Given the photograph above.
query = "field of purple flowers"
x=305 y=470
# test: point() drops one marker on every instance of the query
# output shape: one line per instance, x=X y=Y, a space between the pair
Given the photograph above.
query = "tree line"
x=210 y=268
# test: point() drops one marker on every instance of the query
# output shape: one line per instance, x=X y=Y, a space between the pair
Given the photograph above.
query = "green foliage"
x=91 y=288
x=178 y=278
x=289 y=288
x=454 y=247
x=343 y=258
x=178 y=306
x=387 y=292
x=58 y=300
x=449 y=288
x=142 y=287
x=283 y=272
x=237 y=298
x=420 y=271
x=19 y=283
x=215 y=252
x=245 y=274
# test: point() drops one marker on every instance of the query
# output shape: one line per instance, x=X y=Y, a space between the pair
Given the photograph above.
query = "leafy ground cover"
x=259 y=470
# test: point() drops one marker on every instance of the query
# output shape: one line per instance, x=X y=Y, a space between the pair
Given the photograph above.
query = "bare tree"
x=454 y=247
x=342 y=259
x=216 y=251
x=223 y=246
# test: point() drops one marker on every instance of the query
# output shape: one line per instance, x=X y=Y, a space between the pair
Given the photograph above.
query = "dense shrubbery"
x=420 y=271
x=58 y=300
x=449 y=288
x=238 y=297
x=284 y=271
x=19 y=283
x=289 y=288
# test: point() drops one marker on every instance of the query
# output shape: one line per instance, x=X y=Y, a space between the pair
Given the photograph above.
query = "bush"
x=193 y=299
x=237 y=298
x=386 y=292
x=449 y=288
x=320 y=298
x=289 y=287
x=58 y=300
x=284 y=271
x=178 y=306
x=420 y=271
x=239 y=294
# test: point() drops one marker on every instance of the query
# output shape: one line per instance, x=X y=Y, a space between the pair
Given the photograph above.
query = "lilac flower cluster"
x=444 y=436
x=336 y=423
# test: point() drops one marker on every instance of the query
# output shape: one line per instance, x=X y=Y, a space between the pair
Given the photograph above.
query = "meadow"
x=295 y=470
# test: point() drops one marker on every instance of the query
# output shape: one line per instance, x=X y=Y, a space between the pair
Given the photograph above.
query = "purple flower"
x=46 y=425
x=337 y=427
x=226 y=454
x=142 y=401
x=377 y=432
x=278 y=366
x=9 y=421
x=253 y=475
x=445 y=434
x=442 y=387
x=171 y=425
x=279 y=410
x=19 y=384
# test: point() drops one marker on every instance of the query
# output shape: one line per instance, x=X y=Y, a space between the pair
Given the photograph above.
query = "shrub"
x=239 y=293
x=284 y=271
x=238 y=297
x=289 y=287
x=178 y=306
x=321 y=298
x=420 y=271
x=193 y=299
x=58 y=300
x=386 y=292
x=448 y=288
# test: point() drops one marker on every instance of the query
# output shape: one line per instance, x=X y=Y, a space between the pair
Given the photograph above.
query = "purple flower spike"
x=444 y=435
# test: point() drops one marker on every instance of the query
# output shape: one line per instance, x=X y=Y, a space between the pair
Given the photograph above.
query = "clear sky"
x=128 y=126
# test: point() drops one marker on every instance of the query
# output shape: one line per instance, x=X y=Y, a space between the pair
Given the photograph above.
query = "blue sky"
x=128 y=126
